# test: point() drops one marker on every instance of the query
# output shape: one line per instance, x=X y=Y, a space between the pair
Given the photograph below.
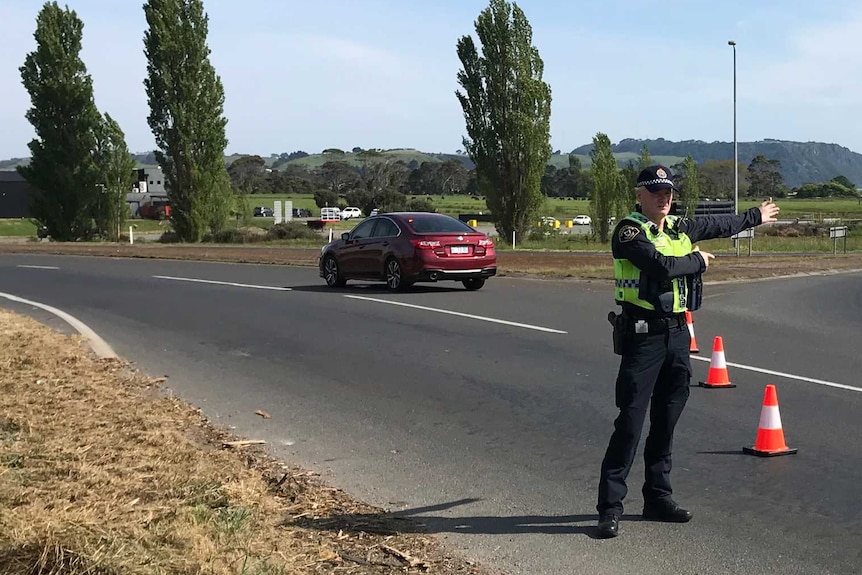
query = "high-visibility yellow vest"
x=628 y=278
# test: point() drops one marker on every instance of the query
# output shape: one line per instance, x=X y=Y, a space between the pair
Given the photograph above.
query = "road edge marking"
x=99 y=346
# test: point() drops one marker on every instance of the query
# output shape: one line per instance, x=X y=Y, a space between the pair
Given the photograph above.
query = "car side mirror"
x=345 y=236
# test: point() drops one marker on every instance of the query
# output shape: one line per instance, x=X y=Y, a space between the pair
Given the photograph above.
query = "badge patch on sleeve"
x=628 y=233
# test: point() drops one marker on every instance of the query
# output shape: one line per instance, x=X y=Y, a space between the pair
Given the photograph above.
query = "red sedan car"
x=405 y=247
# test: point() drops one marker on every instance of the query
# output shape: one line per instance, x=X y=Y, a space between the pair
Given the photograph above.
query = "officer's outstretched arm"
x=709 y=227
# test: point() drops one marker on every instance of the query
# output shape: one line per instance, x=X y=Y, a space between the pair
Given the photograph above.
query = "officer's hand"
x=768 y=211
x=707 y=257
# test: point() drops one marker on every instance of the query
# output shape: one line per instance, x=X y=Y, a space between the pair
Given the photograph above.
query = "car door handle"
x=385 y=243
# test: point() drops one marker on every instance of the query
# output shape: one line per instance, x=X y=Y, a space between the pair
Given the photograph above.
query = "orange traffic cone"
x=770 y=435
x=690 y=322
x=717 y=376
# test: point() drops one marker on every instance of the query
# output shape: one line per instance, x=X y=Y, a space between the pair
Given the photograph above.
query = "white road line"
x=785 y=375
x=459 y=314
x=100 y=347
x=194 y=280
x=39 y=267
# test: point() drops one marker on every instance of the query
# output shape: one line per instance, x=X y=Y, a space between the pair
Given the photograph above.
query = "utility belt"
x=635 y=324
x=626 y=325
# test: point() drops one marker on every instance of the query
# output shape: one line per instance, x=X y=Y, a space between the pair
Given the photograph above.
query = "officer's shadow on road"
x=423 y=520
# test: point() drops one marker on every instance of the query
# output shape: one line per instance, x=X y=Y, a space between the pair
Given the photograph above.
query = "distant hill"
x=562 y=160
x=142 y=160
x=13 y=163
x=801 y=162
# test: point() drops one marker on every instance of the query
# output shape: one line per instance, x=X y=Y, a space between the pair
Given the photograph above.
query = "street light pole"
x=735 y=149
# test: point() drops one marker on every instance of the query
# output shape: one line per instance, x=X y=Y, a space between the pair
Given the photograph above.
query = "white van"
x=330 y=214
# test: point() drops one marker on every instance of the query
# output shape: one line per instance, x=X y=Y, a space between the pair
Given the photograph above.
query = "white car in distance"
x=349 y=213
x=582 y=221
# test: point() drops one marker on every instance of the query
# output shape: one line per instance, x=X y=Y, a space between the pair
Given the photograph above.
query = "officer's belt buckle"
x=641 y=326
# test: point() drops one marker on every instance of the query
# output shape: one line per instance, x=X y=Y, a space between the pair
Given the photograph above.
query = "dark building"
x=14 y=195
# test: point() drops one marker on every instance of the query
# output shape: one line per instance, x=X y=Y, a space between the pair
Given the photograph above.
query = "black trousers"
x=655 y=372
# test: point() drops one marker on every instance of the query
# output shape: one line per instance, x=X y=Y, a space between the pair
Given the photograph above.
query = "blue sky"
x=382 y=73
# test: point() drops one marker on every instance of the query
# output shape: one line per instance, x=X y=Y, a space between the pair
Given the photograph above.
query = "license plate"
x=460 y=249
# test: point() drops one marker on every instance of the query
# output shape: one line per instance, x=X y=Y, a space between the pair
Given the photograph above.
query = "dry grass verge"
x=102 y=474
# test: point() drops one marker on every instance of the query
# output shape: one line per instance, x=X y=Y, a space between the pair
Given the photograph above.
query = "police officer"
x=656 y=271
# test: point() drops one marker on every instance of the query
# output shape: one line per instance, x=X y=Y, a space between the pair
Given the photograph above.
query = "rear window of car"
x=438 y=224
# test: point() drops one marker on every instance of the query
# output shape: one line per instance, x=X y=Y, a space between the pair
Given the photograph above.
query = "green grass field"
x=17 y=228
x=24 y=227
x=813 y=209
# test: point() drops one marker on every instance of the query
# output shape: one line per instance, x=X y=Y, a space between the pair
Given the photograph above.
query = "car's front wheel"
x=395 y=276
x=473 y=284
x=332 y=273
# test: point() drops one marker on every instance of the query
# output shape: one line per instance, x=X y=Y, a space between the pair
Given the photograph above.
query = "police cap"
x=656 y=178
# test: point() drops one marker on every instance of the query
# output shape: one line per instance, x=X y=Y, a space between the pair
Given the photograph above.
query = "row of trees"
x=250 y=175
x=80 y=166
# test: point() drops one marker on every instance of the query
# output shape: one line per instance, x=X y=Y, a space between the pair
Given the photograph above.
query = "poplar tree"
x=645 y=159
x=115 y=167
x=690 y=186
x=507 y=108
x=186 y=100
x=607 y=185
x=64 y=117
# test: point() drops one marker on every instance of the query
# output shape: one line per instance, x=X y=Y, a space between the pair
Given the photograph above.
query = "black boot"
x=609 y=525
x=666 y=510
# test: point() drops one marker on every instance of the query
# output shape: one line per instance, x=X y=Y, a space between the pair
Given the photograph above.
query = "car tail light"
x=484 y=245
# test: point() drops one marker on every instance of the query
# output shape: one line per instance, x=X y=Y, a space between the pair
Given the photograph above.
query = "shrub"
x=291 y=231
x=236 y=236
x=230 y=236
x=420 y=205
x=167 y=238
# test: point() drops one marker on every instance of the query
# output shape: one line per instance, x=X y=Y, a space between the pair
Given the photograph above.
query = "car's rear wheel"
x=473 y=284
x=395 y=276
x=332 y=273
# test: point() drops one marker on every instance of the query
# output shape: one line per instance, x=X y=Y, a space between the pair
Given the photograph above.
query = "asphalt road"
x=492 y=433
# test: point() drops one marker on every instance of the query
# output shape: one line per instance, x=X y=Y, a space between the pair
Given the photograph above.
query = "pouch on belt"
x=618 y=324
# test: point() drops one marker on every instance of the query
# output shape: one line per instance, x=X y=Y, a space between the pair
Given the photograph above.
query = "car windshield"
x=432 y=224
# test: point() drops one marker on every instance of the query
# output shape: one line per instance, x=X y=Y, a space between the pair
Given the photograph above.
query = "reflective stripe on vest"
x=627 y=276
